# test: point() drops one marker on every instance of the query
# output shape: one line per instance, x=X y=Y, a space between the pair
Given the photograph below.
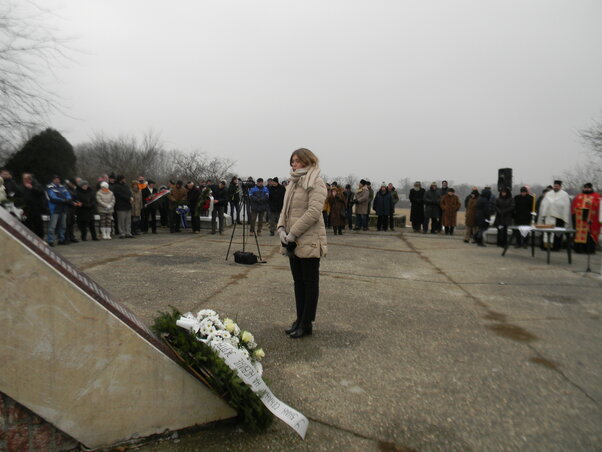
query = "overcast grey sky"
x=382 y=89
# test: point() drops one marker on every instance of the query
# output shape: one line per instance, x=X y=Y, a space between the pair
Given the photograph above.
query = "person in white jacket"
x=105 y=200
x=555 y=209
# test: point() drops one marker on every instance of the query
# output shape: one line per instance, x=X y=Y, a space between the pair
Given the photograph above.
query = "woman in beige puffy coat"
x=303 y=236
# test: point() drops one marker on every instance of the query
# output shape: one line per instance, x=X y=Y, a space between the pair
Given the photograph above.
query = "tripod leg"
x=231 y=238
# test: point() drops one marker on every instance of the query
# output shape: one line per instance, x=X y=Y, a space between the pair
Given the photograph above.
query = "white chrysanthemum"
x=234 y=341
x=205 y=313
x=245 y=352
x=258 y=367
x=208 y=330
x=251 y=345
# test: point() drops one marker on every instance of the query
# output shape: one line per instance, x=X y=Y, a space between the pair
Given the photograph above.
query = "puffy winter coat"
x=504 y=207
x=105 y=201
x=383 y=203
x=303 y=218
x=362 y=199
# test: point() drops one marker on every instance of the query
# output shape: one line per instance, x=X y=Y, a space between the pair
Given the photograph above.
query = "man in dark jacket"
x=220 y=201
x=123 y=207
x=86 y=210
x=149 y=212
x=382 y=205
x=192 y=197
x=349 y=201
x=432 y=209
x=523 y=206
x=258 y=199
x=416 y=197
x=482 y=215
x=72 y=212
x=275 y=203
x=34 y=204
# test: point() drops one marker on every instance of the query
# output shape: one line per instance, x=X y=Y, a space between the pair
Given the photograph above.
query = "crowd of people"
x=127 y=209
x=554 y=208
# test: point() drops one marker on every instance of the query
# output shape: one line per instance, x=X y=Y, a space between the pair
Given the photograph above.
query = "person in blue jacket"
x=259 y=197
x=59 y=200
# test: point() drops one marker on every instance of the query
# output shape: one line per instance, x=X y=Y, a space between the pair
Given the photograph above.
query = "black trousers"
x=306 y=277
x=84 y=226
x=35 y=223
x=382 y=222
x=149 y=219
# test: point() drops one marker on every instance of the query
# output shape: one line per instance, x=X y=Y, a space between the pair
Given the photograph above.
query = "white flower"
x=231 y=327
x=245 y=352
x=234 y=341
x=251 y=345
x=259 y=354
x=205 y=313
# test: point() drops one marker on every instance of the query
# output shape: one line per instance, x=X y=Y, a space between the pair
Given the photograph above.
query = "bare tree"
x=28 y=48
x=198 y=166
x=592 y=137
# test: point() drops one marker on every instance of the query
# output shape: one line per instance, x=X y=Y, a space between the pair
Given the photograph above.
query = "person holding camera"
x=303 y=236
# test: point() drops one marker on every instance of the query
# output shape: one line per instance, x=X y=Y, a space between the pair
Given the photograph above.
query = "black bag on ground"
x=245 y=257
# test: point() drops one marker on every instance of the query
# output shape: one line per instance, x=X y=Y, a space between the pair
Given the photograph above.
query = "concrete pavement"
x=421 y=342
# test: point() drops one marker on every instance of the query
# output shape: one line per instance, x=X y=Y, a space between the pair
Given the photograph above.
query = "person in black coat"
x=149 y=212
x=234 y=199
x=86 y=210
x=275 y=202
x=482 y=215
x=416 y=197
x=220 y=201
x=34 y=204
x=123 y=207
x=523 y=205
x=504 y=208
x=192 y=197
x=383 y=206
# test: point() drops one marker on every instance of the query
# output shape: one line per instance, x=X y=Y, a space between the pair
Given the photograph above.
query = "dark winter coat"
x=432 y=201
x=34 y=200
x=192 y=197
x=233 y=193
x=504 y=207
x=483 y=209
x=471 y=209
x=450 y=204
x=276 y=198
x=522 y=209
x=337 y=208
x=123 y=196
x=383 y=203
x=147 y=193
x=417 y=209
x=85 y=212
x=220 y=195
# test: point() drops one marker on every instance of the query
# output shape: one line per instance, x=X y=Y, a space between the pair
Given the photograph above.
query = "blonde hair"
x=305 y=156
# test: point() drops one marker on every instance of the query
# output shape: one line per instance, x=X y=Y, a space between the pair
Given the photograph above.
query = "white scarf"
x=305 y=177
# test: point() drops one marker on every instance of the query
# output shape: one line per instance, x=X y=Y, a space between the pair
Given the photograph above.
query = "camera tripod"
x=245 y=207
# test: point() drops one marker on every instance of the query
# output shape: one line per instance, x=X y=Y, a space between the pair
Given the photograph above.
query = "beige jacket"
x=302 y=216
x=362 y=196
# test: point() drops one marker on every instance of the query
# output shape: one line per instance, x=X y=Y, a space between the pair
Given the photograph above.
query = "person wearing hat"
x=105 y=205
x=586 y=213
x=416 y=197
x=275 y=202
x=555 y=210
x=450 y=204
x=523 y=205
x=432 y=209
x=362 y=206
x=382 y=205
x=86 y=210
x=349 y=201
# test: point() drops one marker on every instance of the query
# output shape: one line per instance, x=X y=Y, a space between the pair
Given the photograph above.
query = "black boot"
x=293 y=327
x=304 y=330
